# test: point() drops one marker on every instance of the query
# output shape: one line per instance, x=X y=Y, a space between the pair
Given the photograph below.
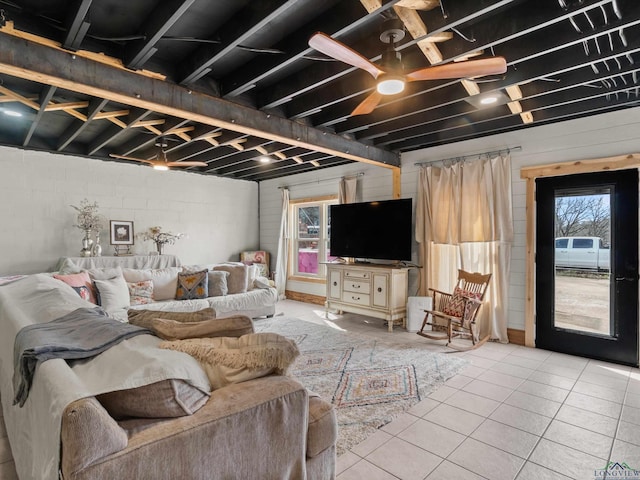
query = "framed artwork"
x=121 y=232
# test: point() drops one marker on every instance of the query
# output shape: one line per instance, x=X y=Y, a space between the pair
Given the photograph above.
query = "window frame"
x=323 y=236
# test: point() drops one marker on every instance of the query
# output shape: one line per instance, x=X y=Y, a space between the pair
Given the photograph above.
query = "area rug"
x=369 y=381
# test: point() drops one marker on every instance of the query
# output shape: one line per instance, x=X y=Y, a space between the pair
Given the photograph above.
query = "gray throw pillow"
x=218 y=283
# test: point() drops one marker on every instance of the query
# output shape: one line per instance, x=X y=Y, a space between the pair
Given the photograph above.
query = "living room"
x=500 y=411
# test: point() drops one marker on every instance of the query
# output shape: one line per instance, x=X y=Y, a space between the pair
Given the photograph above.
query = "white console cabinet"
x=369 y=289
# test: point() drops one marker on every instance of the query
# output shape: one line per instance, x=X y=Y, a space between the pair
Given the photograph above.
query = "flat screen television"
x=372 y=230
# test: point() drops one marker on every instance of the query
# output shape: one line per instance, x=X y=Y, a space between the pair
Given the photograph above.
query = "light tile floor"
x=512 y=413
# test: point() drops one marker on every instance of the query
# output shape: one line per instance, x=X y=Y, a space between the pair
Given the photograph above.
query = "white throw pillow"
x=113 y=293
x=165 y=280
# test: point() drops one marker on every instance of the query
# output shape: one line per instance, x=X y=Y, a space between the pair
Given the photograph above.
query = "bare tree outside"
x=586 y=216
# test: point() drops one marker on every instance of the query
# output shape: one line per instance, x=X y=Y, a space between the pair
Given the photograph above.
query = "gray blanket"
x=83 y=333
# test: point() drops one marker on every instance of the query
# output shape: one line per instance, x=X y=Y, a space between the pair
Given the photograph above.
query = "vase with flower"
x=88 y=220
x=160 y=238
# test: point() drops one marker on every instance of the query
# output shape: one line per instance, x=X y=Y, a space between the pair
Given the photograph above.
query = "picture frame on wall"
x=121 y=232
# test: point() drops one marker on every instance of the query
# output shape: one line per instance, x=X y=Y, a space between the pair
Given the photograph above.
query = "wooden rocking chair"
x=457 y=311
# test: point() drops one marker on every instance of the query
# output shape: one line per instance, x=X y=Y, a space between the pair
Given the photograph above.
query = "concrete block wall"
x=218 y=216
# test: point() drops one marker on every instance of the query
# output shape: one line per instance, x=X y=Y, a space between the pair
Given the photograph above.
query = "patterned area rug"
x=369 y=381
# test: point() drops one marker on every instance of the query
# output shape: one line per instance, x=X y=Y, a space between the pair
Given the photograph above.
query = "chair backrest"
x=473 y=282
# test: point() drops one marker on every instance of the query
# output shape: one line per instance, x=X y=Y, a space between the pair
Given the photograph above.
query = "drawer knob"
x=355 y=298
x=355 y=286
x=379 y=289
x=335 y=284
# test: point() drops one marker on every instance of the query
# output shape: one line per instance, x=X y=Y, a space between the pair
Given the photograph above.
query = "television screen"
x=373 y=230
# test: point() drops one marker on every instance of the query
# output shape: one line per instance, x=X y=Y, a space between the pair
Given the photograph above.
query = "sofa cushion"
x=143 y=318
x=234 y=360
x=238 y=276
x=113 y=294
x=165 y=280
x=218 y=283
x=193 y=285
x=226 y=327
x=323 y=425
x=164 y=399
x=140 y=293
x=81 y=283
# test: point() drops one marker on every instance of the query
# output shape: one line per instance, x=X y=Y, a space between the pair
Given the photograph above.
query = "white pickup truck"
x=582 y=252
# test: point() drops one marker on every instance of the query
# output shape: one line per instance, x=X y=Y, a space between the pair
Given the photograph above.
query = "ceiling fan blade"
x=150 y=162
x=325 y=44
x=186 y=164
x=470 y=68
x=368 y=104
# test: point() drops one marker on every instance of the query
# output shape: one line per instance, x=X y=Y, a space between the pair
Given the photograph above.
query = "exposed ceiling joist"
x=33 y=61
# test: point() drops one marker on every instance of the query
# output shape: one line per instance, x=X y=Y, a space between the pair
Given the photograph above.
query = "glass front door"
x=587 y=265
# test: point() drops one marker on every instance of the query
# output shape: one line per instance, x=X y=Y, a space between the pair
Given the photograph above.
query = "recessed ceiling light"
x=488 y=100
x=264 y=159
x=12 y=113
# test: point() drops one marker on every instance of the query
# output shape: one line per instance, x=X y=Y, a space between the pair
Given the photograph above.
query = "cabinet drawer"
x=357 y=274
x=356 y=286
x=355 y=298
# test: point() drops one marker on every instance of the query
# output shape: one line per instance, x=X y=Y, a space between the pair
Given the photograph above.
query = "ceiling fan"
x=390 y=75
x=160 y=162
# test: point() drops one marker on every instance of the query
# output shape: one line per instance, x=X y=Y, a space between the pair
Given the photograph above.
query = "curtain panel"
x=283 y=247
x=347 y=190
x=464 y=219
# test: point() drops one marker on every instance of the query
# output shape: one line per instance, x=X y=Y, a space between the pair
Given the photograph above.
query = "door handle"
x=628 y=279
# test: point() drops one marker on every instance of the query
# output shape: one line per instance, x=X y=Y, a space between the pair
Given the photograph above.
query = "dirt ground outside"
x=582 y=303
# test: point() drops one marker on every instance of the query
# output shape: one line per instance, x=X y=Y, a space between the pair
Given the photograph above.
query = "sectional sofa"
x=269 y=427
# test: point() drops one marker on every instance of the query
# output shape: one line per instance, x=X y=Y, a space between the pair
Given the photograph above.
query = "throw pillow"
x=456 y=305
x=234 y=360
x=104 y=273
x=114 y=294
x=164 y=399
x=192 y=286
x=165 y=280
x=224 y=327
x=140 y=293
x=238 y=276
x=77 y=281
x=143 y=318
x=218 y=283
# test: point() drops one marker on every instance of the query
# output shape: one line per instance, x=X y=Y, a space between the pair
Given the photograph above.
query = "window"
x=582 y=243
x=311 y=223
x=562 y=242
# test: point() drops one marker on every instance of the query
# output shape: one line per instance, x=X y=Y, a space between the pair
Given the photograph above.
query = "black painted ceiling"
x=247 y=68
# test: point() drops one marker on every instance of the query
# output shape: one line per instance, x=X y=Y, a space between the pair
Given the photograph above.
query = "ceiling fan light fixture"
x=390 y=84
x=489 y=100
x=162 y=168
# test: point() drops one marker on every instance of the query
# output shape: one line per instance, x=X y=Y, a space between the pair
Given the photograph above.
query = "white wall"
x=218 y=216
x=605 y=135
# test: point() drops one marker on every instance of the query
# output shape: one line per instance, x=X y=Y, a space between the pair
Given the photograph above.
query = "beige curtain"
x=280 y=276
x=464 y=219
x=347 y=189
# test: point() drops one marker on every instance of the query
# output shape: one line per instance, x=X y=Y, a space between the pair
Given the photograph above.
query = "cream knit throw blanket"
x=232 y=360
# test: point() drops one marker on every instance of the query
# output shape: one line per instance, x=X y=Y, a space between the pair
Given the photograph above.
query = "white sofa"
x=254 y=298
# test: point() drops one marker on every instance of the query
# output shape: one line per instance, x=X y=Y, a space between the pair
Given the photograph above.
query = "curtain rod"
x=479 y=155
x=359 y=174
